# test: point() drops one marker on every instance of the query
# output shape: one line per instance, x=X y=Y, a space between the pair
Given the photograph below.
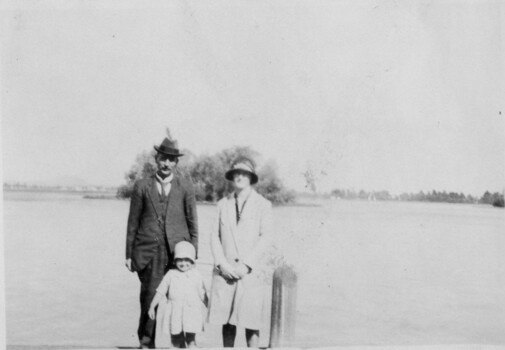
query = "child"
x=187 y=298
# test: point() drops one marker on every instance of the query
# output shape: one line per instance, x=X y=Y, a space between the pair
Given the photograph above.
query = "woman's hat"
x=242 y=164
x=184 y=250
x=168 y=147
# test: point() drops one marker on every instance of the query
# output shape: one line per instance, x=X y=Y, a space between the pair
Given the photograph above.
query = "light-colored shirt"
x=167 y=183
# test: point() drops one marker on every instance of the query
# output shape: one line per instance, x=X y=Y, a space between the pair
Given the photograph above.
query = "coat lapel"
x=250 y=204
x=231 y=212
x=232 y=216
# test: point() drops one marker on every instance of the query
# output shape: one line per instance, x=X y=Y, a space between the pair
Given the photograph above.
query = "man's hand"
x=242 y=270
x=228 y=272
x=128 y=264
x=151 y=313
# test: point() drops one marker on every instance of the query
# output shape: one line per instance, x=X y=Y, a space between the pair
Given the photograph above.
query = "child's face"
x=183 y=264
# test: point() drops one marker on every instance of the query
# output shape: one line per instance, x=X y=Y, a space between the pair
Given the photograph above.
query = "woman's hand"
x=242 y=270
x=228 y=272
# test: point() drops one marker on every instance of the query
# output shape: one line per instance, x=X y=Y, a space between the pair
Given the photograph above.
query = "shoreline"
x=108 y=195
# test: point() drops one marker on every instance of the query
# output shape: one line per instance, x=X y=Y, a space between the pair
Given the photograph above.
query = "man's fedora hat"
x=168 y=147
x=242 y=164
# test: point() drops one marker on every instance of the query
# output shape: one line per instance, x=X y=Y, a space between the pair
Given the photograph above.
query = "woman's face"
x=241 y=179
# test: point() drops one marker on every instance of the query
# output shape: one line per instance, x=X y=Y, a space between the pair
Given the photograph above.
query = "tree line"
x=207 y=171
x=496 y=199
x=207 y=174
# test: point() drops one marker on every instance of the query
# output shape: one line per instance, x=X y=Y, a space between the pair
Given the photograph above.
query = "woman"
x=238 y=242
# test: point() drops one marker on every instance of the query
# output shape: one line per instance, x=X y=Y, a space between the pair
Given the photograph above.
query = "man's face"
x=241 y=179
x=165 y=163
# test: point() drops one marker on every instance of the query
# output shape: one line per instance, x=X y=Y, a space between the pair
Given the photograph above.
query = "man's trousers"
x=150 y=278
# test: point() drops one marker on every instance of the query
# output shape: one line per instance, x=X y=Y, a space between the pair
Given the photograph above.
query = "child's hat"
x=184 y=250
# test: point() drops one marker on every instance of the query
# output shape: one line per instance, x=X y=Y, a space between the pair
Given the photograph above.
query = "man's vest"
x=162 y=206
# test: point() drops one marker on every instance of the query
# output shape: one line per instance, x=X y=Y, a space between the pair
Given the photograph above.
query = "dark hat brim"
x=229 y=175
x=168 y=151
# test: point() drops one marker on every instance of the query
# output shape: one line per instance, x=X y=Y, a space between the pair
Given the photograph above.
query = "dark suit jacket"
x=144 y=233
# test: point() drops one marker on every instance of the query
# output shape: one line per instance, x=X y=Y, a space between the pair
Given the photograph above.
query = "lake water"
x=370 y=273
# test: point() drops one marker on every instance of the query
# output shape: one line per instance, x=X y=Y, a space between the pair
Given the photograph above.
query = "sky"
x=374 y=95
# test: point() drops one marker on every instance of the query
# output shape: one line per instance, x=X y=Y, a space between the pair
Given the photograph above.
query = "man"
x=162 y=213
x=239 y=241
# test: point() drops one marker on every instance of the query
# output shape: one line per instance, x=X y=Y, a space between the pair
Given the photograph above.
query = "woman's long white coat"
x=242 y=303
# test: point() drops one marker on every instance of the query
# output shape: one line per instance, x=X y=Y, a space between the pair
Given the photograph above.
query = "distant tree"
x=338 y=193
x=433 y=196
x=207 y=173
x=487 y=198
x=495 y=199
x=271 y=187
x=498 y=200
x=382 y=195
x=229 y=155
x=404 y=197
x=350 y=194
x=143 y=167
x=185 y=163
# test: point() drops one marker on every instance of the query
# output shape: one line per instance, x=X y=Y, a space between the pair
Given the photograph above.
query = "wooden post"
x=282 y=323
